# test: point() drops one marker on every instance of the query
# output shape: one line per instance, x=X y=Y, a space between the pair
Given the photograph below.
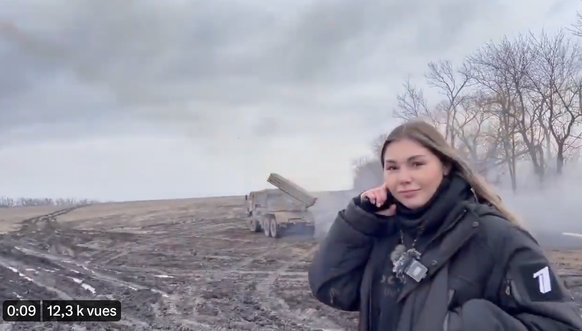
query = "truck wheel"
x=274 y=227
x=254 y=225
x=266 y=226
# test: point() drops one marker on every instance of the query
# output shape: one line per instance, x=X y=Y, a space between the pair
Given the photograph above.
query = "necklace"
x=403 y=259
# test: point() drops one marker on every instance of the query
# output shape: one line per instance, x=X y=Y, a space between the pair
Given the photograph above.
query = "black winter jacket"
x=484 y=274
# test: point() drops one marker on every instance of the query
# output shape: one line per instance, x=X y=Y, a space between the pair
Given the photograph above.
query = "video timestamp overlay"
x=61 y=310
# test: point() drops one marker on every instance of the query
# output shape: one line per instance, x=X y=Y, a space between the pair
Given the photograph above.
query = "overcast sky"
x=130 y=100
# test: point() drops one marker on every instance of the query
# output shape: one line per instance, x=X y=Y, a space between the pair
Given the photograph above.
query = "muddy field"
x=174 y=265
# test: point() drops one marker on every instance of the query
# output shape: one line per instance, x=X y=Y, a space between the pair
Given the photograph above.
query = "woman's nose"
x=404 y=175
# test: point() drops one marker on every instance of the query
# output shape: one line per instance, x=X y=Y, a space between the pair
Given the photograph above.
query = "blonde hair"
x=429 y=137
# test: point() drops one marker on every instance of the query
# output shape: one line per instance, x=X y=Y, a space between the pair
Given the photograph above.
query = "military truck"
x=281 y=211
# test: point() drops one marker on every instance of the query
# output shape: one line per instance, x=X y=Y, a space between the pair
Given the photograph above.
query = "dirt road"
x=174 y=265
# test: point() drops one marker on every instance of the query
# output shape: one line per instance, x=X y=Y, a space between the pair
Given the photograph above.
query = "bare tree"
x=412 y=104
x=577 y=26
x=476 y=132
x=512 y=100
x=464 y=115
x=557 y=80
x=496 y=94
x=502 y=70
x=6 y=202
x=451 y=84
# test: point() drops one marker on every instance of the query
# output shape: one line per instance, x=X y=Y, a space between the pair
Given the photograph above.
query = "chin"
x=413 y=203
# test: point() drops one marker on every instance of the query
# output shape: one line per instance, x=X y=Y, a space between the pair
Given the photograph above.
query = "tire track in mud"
x=60 y=294
x=165 y=307
x=57 y=269
x=87 y=274
x=95 y=274
x=14 y=266
x=200 y=304
x=264 y=289
x=212 y=302
x=201 y=227
x=194 y=319
x=28 y=276
x=129 y=320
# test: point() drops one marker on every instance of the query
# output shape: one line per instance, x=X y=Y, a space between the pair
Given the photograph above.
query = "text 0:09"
x=21 y=311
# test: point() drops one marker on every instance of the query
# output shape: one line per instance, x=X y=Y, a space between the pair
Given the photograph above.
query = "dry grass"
x=22 y=213
x=10 y=218
x=569 y=261
x=128 y=212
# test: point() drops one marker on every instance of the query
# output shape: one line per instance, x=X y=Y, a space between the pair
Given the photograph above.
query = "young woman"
x=444 y=254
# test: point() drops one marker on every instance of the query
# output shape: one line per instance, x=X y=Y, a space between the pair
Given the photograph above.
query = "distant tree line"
x=6 y=202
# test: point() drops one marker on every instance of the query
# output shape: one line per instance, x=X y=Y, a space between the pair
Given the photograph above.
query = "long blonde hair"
x=429 y=137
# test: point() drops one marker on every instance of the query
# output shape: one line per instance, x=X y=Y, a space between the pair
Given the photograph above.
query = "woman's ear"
x=446 y=170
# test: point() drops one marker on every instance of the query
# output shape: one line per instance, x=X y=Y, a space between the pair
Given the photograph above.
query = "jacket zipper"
x=507 y=289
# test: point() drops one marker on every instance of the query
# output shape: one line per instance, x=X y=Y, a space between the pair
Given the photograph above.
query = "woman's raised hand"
x=378 y=197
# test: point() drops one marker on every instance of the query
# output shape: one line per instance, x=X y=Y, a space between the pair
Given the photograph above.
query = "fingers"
x=370 y=196
x=376 y=196
x=381 y=196
x=388 y=212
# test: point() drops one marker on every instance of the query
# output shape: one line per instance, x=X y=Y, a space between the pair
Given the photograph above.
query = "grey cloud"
x=189 y=60
x=563 y=6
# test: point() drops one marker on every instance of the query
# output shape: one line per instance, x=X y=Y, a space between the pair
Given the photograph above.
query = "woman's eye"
x=416 y=164
x=390 y=167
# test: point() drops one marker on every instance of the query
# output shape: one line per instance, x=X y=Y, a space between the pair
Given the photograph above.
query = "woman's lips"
x=409 y=194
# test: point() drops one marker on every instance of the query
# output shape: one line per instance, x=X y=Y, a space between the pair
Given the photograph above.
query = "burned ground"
x=174 y=265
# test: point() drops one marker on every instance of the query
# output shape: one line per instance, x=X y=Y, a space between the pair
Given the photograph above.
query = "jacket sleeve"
x=531 y=296
x=338 y=267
